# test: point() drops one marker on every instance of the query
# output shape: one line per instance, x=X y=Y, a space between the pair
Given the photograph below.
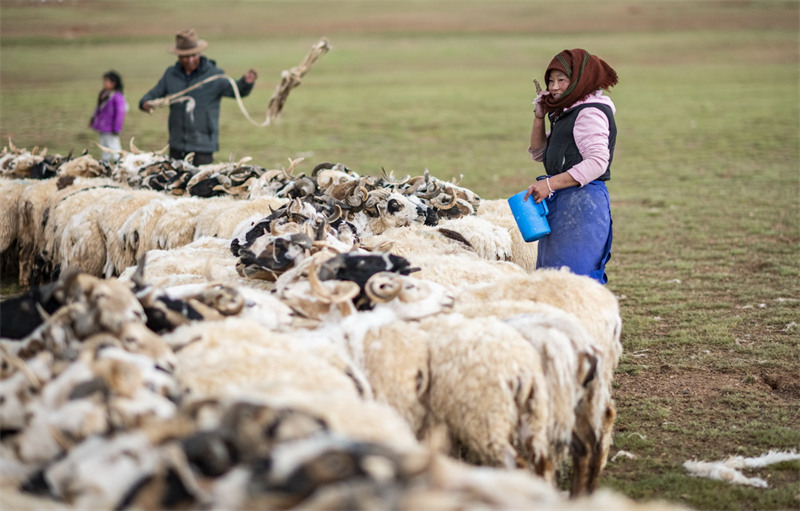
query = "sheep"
x=137 y=230
x=82 y=166
x=56 y=419
x=320 y=301
x=312 y=317
x=21 y=387
x=498 y=212
x=265 y=308
x=300 y=471
x=262 y=360
x=225 y=217
x=91 y=305
x=349 y=415
x=21 y=162
x=487 y=386
x=72 y=199
x=34 y=206
x=384 y=209
x=121 y=460
x=396 y=361
x=581 y=410
x=488 y=240
x=136 y=338
x=139 y=389
x=21 y=314
x=204 y=260
x=110 y=223
x=442 y=259
x=127 y=167
x=81 y=242
x=462 y=270
x=176 y=227
x=596 y=309
x=11 y=191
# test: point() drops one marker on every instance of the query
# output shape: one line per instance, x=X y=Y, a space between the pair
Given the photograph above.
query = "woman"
x=110 y=114
x=577 y=154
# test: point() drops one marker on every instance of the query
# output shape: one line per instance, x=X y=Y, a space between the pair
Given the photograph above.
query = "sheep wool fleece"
x=195 y=129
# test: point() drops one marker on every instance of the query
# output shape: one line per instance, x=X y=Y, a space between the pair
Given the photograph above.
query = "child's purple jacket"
x=108 y=117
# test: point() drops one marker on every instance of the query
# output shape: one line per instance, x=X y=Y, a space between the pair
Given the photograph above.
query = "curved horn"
x=443 y=201
x=464 y=207
x=383 y=286
x=354 y=199
x=21 y=365
x=389 y=178
x=316 y=284
x=293 y=164
x=134 y=149
x=321 y=166
x=336 y=215
x=413 y=185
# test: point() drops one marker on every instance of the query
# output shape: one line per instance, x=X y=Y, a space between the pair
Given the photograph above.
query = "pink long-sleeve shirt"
x=591 y=134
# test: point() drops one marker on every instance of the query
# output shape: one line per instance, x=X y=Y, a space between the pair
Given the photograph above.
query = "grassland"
x=705 y=190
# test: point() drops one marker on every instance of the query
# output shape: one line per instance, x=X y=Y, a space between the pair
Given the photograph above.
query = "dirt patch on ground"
x=717 y=394
x=783 y=383
x=667 y=382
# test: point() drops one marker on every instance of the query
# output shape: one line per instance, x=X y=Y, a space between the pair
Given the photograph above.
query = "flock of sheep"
x=228 y=336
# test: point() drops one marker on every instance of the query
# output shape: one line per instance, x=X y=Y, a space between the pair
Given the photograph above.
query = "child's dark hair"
x=115 y=78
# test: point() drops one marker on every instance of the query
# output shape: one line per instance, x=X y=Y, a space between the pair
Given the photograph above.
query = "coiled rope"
x=289 y=80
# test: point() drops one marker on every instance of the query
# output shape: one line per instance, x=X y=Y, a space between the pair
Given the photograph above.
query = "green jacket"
x=196 y=130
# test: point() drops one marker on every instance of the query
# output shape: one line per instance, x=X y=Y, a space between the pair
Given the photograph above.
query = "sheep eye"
x=394 y=206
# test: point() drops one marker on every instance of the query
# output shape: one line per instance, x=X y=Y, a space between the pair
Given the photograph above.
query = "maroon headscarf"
x=587 y=73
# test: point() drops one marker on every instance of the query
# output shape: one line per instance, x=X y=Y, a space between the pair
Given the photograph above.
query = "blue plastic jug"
x=531 y=218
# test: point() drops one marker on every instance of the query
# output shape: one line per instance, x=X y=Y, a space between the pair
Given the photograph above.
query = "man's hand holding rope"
x=289 y=80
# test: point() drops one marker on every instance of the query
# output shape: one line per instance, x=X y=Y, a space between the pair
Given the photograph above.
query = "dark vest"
x=561 y=153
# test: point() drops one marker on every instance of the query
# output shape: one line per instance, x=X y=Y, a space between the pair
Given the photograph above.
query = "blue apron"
x=580 y=219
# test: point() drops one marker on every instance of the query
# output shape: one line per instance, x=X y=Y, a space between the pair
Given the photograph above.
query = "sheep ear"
x=138 y=275
x=66 y=282
x=588 y=364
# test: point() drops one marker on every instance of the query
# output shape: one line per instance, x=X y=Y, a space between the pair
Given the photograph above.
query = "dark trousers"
x=199 y=158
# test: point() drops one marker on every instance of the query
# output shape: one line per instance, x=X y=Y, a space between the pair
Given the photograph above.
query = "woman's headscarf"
x=587 y=73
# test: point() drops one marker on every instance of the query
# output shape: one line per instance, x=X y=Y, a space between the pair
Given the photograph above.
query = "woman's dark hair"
x=115 y=78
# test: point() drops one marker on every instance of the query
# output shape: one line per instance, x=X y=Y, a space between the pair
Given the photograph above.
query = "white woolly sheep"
x=498 y=212
x=487 y=386
x=597 y=311
x=201 y=261
x=224 y=217
x=237 y=355
x=77 y=239
x=54 y=417
x=110 y=223
x=34 y=206
x=581 y=410
x=396 y=360
x=11 y=190
x=596 y=308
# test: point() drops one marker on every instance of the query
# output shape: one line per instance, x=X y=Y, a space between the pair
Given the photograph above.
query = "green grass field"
x=705 y=189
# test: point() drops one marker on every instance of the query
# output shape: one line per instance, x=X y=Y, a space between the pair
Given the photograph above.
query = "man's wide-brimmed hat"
x=187 y=43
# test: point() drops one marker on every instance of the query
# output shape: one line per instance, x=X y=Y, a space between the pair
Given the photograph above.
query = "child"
x=110 y=114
